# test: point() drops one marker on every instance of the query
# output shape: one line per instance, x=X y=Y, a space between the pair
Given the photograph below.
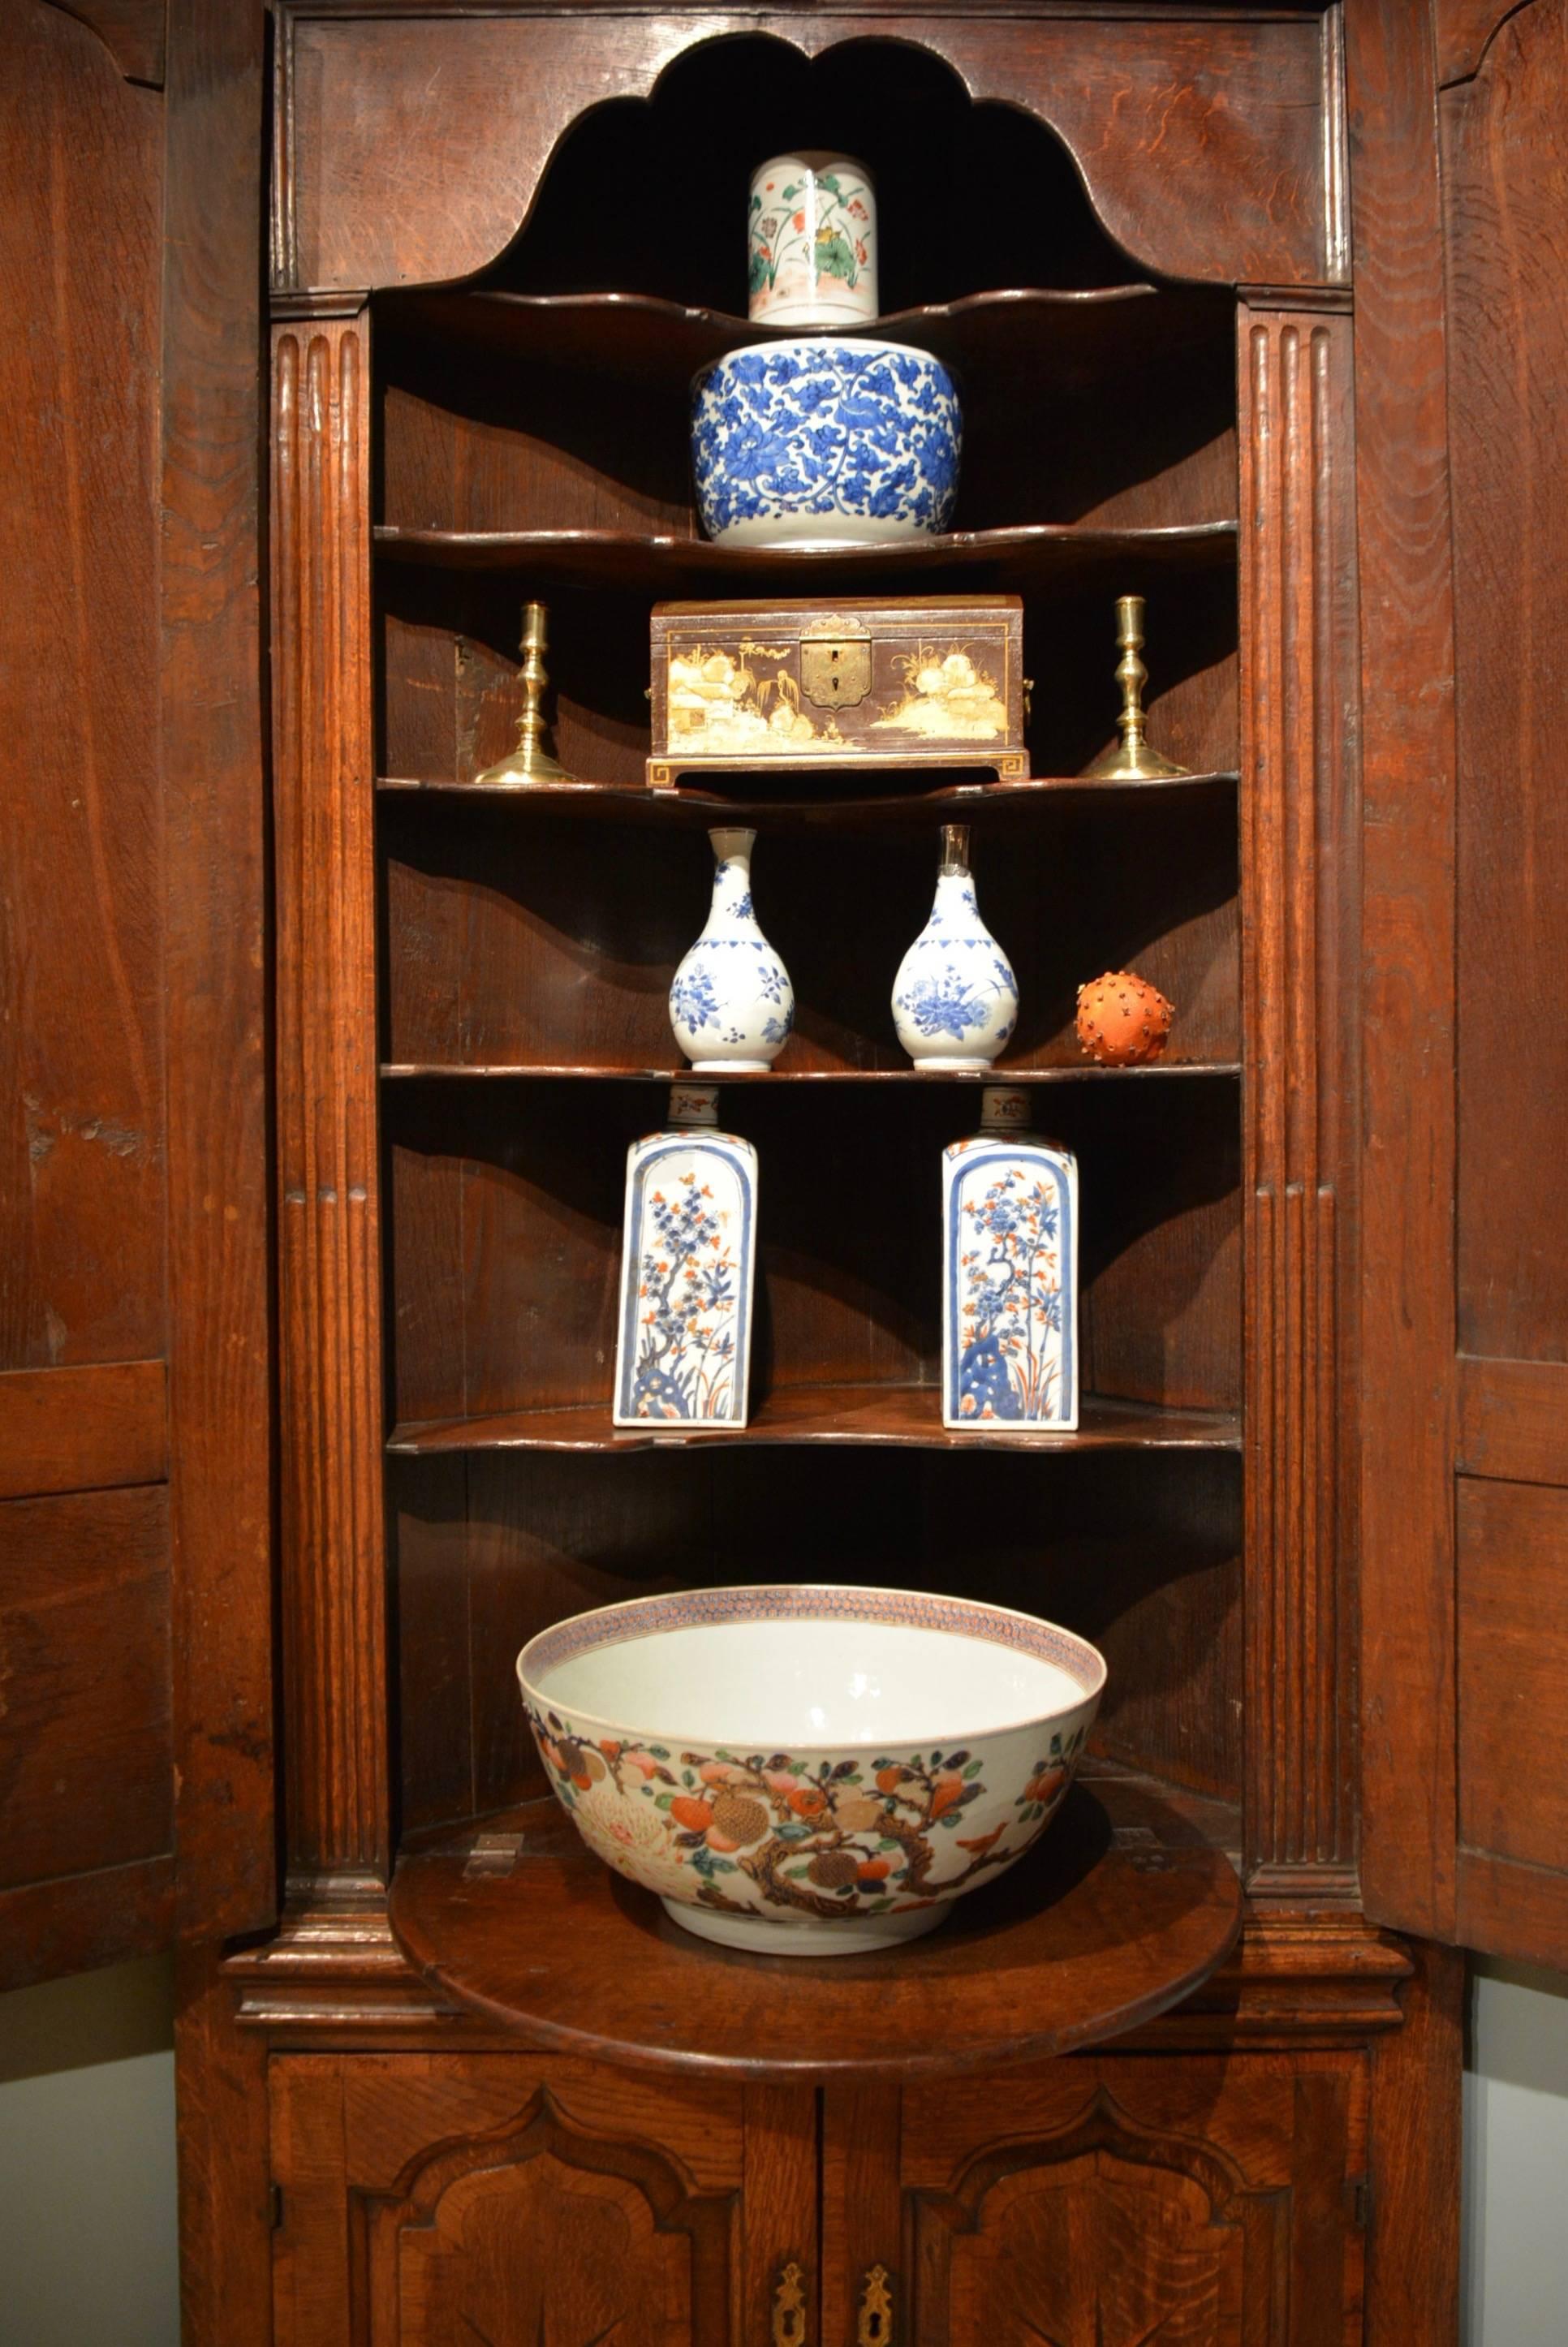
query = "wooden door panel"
x=85 y=1765
x=1506 y=214
x=1191 y=2202
x=133 y=1245
x=433 y=2201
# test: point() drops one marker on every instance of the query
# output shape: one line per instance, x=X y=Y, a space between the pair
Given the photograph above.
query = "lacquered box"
x=910 y=680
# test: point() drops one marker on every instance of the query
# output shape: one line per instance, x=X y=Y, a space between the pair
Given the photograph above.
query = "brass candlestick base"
x=530 y=762
x=1131 y=761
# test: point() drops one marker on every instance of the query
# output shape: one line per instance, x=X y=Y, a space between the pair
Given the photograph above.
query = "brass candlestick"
x=530 y=762
x=1131 y=761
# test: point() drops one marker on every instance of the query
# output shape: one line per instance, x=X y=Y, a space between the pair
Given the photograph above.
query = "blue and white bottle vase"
x=954 y=999
x=731 y=1005
x=1009 y=1275
x=688 y=1270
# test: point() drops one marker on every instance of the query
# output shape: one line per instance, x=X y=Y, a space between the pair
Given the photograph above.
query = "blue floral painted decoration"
x=825 y=440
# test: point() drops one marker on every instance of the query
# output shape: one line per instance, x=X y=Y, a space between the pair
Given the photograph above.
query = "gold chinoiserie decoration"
x=789 y=2309
x=876 y=2328
x=1131 y=761
x=530 y=762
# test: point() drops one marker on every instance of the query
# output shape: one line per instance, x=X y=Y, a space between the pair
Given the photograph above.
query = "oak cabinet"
x=327 y=1069
x=442 y=2198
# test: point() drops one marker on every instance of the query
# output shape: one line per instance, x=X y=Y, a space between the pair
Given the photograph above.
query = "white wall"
x=87 y=2161
x=1516 y=2158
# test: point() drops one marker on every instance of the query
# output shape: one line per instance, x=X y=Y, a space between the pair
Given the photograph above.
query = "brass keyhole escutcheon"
x=789 y=2308
x=835 y=671
x=875 y=2310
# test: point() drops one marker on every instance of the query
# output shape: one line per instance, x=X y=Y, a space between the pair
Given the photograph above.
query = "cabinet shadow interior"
x=1233 y=293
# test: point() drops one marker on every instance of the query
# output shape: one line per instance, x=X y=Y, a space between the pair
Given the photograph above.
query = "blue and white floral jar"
x=688 y=1269
x=954 y=999
x=732 y=1004
x=822 y=441
x=1009 y=1275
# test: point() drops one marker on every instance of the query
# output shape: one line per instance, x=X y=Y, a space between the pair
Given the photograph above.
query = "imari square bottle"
x=688 y=1270
x=1009 y=1274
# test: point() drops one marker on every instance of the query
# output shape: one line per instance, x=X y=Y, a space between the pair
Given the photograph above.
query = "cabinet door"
x=1191 y=2201
x=135 y=1731
x=437 y=2200
x=1465 y=1487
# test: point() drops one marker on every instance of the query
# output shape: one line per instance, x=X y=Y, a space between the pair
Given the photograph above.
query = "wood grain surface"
x=217 y=981
x=1409 y=1793
x=1080 y=1940
x=1299 y=763
x=382 y=183
x=1506 y=203
x=83 y=1430
x=334 y=1614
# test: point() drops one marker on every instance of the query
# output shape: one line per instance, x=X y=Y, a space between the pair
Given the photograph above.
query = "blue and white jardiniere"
x=688 y=1270
x=1009 y=1275
x=732 y=1004
x=954 y=999
x=825 y=440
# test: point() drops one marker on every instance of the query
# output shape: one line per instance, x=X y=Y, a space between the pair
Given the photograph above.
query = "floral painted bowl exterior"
x=825 y=441
x=803 y=1848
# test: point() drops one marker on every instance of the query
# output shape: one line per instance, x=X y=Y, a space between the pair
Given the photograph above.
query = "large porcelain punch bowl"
x=822 y=441
x=809 y=1771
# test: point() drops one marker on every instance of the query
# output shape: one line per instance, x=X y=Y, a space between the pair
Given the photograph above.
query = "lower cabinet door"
x=1146 y=2202
x=507 y=2200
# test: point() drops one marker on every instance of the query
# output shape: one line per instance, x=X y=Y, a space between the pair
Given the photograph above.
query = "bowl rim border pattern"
x=772 y=1601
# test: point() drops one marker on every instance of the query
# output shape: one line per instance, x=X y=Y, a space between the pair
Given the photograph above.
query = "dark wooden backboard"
x=135 y=1513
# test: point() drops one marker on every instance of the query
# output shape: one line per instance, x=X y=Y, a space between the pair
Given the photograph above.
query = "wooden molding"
x=132 y=31
x=334 y=1557
x=212 y=753
x=1298 y=794
x=1407 y=1158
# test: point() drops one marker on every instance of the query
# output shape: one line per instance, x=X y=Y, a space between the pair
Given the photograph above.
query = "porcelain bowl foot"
x=759 y=1935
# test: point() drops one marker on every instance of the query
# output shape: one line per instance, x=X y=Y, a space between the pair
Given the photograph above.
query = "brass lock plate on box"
x=906 y=682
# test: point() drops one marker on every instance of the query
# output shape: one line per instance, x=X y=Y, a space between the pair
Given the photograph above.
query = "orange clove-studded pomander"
x=1122 y=1019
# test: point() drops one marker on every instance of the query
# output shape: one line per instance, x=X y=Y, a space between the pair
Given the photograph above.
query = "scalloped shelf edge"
x=906 y=1416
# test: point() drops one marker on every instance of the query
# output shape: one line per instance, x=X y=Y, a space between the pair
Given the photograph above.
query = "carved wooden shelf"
x=531 y=1071
x=906 y=1415
x=984 y=802
x=1119 y=1911
x=638 y=562
x=1050 y=342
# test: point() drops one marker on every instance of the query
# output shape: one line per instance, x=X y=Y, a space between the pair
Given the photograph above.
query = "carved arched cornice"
x=132 y=31
x=411 y=149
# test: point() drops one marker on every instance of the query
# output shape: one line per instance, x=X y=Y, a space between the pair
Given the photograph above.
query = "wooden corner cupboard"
x=321 y=1072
